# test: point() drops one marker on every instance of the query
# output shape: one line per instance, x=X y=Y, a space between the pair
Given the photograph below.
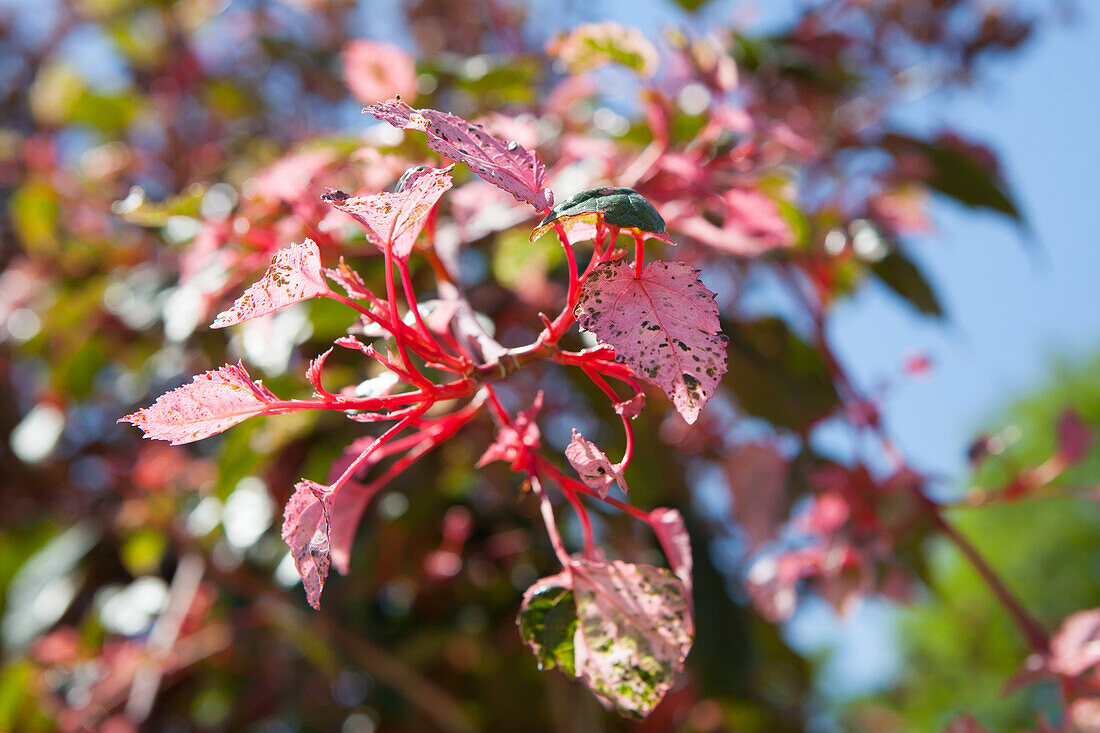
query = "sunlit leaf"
x=594 y=44
x=306 y=531
x=592 y=466
x=294 y=275
x=214 y=401
x=397 y=218
x=664 y=325
x=509 y=166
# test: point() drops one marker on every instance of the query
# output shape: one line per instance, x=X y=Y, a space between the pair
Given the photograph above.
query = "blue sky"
x=1013 y=311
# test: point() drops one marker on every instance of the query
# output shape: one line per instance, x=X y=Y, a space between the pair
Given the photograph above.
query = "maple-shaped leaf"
x=214 y=401
x=509 y=166
x=631 y=628
x=397 y=217
x=592 y=465
x=664 y=325
x=294 y=275
x=668 y=525
x=306 y=519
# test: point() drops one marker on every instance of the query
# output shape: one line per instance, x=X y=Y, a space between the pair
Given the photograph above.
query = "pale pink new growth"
x=313 y=374
x=397 y=217
x=212 y=402
x=294 y=275
x=306 y=531
x=509 y=166
x=592 y=465
x=664 y=325
x=631 y=408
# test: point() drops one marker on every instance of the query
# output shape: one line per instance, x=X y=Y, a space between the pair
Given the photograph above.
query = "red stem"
x=417 y=378
x=1030 y=628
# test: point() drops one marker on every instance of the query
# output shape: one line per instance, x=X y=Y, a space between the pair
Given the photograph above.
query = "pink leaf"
x=631 y=408
x=1074 y=437
x=375 y=71
x=396 y=217
x=509 y=166
x=592 y=465
x=290 y=178
x=349 y=280
x=668 y=525
x=513 y=441
x=634 y=630
x=348 y=507
x=757 y=477
x=1076 y=647
x=752 y=224
x=306 y=531
x=294 y=275
x=664 y=325
x=313 y=374
x=214 y=401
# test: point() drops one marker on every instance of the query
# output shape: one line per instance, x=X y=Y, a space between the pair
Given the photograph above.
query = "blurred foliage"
x=153 y=153
x=959 y=647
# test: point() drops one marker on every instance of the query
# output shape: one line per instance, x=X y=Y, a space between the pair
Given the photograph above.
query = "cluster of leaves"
x=764 y=159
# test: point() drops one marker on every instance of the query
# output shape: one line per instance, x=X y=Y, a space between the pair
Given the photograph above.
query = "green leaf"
x=957 y=174
x=34 y=211
x=900 y=274
x=778 y=376
x=137 y=209
x=548 y=623
x=691 y=5
x=515 y=261
x=621 y=207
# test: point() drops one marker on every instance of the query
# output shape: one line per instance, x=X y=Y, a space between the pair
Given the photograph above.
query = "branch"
x=1030 y=628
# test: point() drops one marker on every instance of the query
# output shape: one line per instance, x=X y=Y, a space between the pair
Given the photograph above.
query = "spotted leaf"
x=396 y=217
x=294 y=275
x=306 y=520
x=509 y=166
x=664 y=325
x=214 y=401
x=548 y=622
x=592 y=465
x=634 y=631
x=623 y=629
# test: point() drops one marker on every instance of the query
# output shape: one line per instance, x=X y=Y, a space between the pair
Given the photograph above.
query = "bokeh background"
x=135 y=133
